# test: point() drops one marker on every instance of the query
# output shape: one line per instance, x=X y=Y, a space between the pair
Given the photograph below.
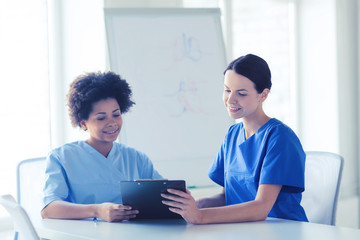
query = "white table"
x=271 y=229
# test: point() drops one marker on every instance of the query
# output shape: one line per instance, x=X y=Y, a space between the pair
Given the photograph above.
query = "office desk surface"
x=178 y=229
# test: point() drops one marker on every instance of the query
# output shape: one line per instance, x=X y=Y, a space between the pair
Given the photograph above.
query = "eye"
x=101 y=118
x=116 y=115
x=242 y=95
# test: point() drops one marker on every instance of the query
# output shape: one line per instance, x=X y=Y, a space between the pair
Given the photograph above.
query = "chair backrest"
x=30 y=183
x=20 y=217
x=322 y=182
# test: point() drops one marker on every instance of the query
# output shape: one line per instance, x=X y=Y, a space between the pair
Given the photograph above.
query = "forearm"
x=244 y=212
x=66 y=210
x=256 y=210
x=184 y=204
x=214 y=201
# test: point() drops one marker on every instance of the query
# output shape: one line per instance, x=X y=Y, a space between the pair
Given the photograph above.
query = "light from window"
x=24 y=95
x=264 y=28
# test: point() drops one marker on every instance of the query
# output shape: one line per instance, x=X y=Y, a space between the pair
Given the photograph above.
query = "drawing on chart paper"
x=186 y=97
x=187 y=47
x=173 y=60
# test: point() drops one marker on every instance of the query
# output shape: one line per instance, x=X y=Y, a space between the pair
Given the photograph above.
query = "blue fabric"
x=273 y=155
x=78 y=173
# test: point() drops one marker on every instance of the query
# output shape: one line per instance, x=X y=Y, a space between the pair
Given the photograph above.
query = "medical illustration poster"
x=174 y=61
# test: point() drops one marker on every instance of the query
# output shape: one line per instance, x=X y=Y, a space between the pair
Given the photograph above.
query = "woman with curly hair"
x=82 y=178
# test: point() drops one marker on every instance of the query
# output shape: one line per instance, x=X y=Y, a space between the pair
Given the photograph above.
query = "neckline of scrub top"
x=92 y=150
x=242 y=133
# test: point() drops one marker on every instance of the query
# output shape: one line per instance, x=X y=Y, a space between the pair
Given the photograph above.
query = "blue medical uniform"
x=78 y=173
x=273 y=155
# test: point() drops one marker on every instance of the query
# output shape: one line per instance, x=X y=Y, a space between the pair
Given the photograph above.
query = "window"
x=24 y=98
x=264 y=28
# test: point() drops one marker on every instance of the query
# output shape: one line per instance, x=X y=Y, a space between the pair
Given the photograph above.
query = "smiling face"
x=104 y=122
x=241 y=98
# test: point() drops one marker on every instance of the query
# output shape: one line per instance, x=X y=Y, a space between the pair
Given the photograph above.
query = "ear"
x=83 y=125
x=264 y=94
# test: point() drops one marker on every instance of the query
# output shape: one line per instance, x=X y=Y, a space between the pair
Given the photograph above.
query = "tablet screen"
x=144 y=195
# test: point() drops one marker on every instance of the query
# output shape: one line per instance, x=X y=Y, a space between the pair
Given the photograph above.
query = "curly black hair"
x=90 y=88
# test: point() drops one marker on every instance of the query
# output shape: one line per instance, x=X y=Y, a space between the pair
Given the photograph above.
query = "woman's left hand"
x=184 y=204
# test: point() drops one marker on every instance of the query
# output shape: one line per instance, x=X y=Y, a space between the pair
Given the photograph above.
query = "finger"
x=175 y=198
x=123 y=218
x=169 y=196
x=178 y=193
x=173 y=204
x=175 y=210
x=127 y=217
x=120 y=217
x=123 y=207
x=122 y=212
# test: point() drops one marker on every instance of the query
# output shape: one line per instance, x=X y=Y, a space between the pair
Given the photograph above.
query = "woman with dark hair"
x=260 y=164
x=82 y=178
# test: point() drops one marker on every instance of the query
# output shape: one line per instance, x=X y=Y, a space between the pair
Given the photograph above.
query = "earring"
x=83 y=126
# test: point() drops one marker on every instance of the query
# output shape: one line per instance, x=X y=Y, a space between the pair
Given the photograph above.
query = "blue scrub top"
x=273 y=155
x=78 y=173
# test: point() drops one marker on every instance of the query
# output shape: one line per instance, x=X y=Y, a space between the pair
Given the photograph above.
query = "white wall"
x=317 y=75
x=79 y=46
x=348 y=100
x=328 y=81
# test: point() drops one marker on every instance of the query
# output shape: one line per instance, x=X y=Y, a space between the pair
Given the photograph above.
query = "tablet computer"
x=144 y=195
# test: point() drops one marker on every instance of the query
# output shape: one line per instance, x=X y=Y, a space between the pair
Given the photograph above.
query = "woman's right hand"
x=112 y=212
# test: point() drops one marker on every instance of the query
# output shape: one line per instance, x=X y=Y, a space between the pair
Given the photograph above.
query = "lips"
x=234 y=109
x=112 y=131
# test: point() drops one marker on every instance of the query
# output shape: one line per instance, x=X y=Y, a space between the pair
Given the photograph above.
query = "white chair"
x=20 y=217
x=30 y=182
x=322 y=182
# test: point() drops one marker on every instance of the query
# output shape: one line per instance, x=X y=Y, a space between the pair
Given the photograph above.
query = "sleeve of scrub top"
x=56 y=187
x=147 y=168
x=216 y=171
x=284 y=162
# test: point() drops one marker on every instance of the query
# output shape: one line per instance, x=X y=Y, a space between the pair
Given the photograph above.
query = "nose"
x=111 y=123
x=231 y=98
